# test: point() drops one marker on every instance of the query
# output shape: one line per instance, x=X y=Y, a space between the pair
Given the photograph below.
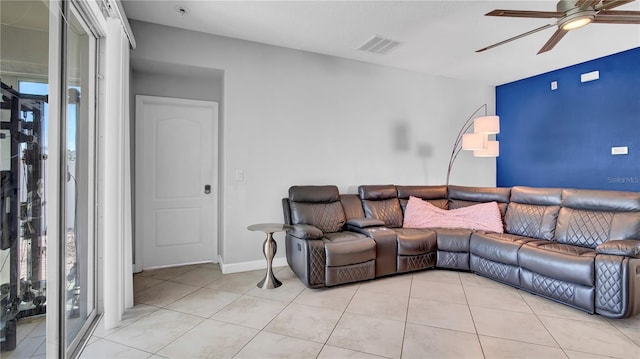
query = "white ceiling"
x=439 y=37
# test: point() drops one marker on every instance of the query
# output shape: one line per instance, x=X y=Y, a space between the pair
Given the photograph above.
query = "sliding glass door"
x=78 y=179
x=48 y=159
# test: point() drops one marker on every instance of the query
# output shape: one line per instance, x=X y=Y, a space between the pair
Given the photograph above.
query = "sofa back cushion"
x=319 y=206
x=533 y=212
x=352 y=206
x=381 y=202
x=436 y=195
x=460 y=196
x=589 y=218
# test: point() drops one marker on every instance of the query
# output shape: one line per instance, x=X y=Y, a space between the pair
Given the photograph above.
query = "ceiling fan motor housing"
x=575 y=16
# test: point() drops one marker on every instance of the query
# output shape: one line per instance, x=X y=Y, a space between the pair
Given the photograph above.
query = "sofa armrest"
x=305 y=231
x=625 y=247
x=364 y=223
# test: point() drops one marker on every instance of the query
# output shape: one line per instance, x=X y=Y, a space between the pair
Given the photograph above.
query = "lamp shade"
x=492 y=150
x=487 y=124
x=474 y=141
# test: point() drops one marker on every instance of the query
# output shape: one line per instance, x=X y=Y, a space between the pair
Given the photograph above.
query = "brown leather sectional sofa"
x=577 y=247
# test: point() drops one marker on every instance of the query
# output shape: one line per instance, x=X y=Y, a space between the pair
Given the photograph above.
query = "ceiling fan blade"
x=526 y=13
x=616 y=19
x=628 y=13
x=517 y=37
x=553 y=40
x=610 y=4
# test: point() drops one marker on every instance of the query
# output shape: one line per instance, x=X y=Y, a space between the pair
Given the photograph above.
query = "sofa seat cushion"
x=453 y=240
x=344 y=236
x=415 y=241
x=344 y=251
x=497 y=247
x=560 y=261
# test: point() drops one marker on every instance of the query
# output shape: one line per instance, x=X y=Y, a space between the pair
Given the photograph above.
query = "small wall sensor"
x=554 y=85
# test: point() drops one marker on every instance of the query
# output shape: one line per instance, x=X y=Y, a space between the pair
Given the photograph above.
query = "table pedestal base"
x=269 y=282
x=269 y=248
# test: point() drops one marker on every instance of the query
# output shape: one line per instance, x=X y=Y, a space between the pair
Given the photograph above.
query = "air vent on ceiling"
x=378 y=45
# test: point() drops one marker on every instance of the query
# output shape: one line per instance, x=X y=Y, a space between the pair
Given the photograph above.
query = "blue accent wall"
x=563 y=138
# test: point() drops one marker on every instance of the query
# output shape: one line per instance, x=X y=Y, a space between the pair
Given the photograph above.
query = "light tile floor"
x=196 y=312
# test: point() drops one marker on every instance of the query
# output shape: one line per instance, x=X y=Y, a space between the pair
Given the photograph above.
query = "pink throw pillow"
x=483 y=216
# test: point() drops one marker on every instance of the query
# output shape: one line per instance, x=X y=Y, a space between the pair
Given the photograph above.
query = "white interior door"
x=176 y=181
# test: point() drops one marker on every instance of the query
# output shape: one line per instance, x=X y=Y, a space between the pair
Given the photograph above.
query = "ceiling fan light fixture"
x=577 y=23
x=570 y=15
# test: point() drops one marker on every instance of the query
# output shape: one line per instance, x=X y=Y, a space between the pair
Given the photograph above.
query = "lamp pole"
x=457 y=146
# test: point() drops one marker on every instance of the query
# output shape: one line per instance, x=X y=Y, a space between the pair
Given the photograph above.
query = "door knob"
x=207 y=188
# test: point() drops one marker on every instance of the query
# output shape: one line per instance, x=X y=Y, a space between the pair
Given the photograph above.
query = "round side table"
x=269 y=248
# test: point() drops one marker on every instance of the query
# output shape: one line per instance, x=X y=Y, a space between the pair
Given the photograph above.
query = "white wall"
x=165 y=82
x=294 y=117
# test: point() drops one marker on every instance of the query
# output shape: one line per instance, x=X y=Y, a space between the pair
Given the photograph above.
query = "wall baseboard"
x=173 y=265
x=248 y=266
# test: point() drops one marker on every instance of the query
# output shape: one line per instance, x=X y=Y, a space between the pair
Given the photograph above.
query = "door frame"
x=138 y=177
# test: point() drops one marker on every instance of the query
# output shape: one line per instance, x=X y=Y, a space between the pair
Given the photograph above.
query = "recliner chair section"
x=609 y=223
x=319 y=249
x=531 y=215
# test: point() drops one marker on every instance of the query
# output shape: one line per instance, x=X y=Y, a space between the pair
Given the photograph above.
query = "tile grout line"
x=406 y=317
x=274 y=317
x=124 y=326
x=165 y=308
x=175 y=311
x=543 y=325
x=114 y=342
x=475 y=327
x=623 y=333
x=338 y=321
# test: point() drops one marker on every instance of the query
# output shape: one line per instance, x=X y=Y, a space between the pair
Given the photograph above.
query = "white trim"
x=249 y=266
x=85 y=188
x=52 y=185
x=116 y=11
x=127 y=280
x=91 y=186
x=91 y=13
x=178 y=265
x=112 y=170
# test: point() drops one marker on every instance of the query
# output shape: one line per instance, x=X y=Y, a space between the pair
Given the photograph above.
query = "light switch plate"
x=554 y=85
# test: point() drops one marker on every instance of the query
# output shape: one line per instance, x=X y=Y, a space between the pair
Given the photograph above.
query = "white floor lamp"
x=478 y=140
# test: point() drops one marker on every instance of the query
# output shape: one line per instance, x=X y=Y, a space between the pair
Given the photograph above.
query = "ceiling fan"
x=570 y=15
